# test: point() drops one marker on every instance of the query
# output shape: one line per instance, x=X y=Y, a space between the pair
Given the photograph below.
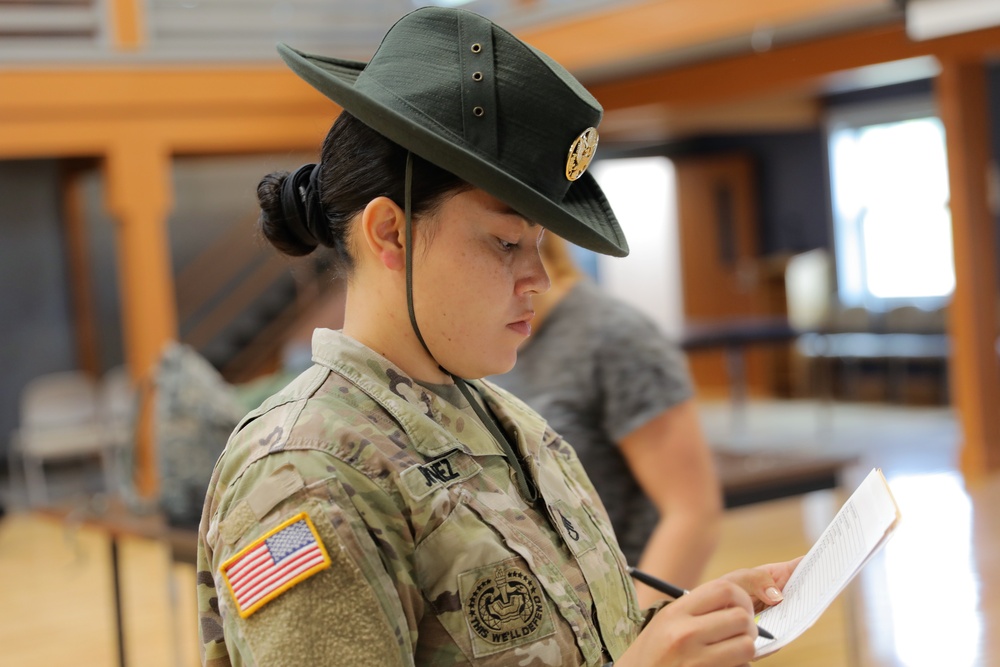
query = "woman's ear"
x=383 y=226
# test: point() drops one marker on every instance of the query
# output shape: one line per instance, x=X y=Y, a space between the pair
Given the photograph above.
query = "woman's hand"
x=764 y=583
x=712 y=626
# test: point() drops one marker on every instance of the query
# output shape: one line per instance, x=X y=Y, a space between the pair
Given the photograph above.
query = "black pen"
x=674 y=591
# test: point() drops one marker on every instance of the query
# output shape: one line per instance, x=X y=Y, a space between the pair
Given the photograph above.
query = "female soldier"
x=382 y=510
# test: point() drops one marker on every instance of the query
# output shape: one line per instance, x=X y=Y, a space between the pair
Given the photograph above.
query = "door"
x=725 y=282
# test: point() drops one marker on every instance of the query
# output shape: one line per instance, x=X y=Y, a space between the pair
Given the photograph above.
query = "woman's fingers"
x=726 y=624
x=759 y=584
x=720 y=612
x=782 y=571
x=765 y=583
x=715 y=595
x=736 y=651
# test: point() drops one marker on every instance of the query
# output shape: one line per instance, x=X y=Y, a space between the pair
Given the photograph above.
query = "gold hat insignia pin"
x=581 y=152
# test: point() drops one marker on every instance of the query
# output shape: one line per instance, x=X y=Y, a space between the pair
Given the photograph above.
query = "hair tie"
x=299 y=201
x=316 y=219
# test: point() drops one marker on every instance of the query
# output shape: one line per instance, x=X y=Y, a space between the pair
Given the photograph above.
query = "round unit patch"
x=506 y=606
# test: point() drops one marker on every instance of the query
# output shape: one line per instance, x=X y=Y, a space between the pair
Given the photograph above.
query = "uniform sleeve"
x=289 y=573
x=641 y=373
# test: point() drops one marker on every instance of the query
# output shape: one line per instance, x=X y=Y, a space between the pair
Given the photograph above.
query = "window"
x=891 y=217
x=642 y=193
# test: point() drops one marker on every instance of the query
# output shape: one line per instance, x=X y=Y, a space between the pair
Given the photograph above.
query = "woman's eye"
x=507 y=246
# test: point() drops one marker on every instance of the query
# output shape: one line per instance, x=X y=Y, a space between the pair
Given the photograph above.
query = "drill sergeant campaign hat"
x=469 y=97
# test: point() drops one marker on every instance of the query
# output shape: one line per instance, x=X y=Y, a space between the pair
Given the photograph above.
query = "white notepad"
x=859 y=530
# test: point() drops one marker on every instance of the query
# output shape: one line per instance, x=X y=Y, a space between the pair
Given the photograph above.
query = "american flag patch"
x=285 y=556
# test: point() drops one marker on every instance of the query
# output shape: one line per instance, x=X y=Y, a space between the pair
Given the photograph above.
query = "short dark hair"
x=357 y=165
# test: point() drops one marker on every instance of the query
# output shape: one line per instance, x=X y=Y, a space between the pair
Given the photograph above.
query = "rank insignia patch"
x=284 y=557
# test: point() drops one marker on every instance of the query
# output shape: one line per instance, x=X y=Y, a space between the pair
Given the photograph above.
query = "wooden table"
x=755 y=476
x=734 y=335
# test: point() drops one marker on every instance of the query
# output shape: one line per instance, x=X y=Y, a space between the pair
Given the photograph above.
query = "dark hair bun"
x=283 y=228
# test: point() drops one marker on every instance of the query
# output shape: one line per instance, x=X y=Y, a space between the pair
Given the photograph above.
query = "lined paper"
x=858 y=531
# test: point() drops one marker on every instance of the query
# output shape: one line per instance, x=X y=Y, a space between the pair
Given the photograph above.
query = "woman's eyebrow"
x=506 y=209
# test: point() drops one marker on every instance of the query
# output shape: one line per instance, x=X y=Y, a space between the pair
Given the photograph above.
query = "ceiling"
x=594 y=38
x=178 y=30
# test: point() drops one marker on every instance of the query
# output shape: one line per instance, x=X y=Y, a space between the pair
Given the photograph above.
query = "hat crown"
x=493 y=93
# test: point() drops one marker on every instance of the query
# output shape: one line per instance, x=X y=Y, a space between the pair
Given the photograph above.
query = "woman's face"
x=477 y=267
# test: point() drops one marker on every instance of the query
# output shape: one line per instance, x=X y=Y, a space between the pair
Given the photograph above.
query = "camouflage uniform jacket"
x=423 y=550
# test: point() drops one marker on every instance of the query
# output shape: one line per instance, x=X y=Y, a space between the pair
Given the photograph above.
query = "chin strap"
x=408 y=233
x=524 y=480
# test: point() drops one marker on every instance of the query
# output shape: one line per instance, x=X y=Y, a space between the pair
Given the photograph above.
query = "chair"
x=118 y=409
x=852 y=319
x=117 y=404
x=59 y=419
x=910 y=319
x=916 y=339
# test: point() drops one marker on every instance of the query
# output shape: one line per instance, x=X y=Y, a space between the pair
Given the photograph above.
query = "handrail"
x=219 y=264
x=225 y=280
x=248 y=361
x=236 y=301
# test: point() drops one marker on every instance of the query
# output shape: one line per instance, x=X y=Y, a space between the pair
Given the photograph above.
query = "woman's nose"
x=535 y=279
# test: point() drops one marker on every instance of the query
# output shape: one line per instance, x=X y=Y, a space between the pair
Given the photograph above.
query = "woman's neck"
x=388 y=332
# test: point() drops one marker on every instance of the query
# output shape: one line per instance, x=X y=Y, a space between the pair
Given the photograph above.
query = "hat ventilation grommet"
x=478 y=83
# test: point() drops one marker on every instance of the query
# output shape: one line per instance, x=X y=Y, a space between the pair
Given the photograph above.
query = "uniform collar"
x=434 y=426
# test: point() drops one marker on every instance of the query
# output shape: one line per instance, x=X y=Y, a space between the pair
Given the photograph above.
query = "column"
x=138 y=181
x=975 y=370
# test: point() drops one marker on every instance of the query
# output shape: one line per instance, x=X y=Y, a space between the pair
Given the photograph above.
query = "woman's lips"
x=522 y=327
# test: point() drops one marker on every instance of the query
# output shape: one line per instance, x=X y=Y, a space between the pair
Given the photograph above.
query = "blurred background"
x=809 y=187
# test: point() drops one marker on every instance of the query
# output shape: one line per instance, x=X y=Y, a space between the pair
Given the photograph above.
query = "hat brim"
x=583 y=216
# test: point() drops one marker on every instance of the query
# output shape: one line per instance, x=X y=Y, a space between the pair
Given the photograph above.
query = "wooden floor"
x=932 y=597
x=58 y=606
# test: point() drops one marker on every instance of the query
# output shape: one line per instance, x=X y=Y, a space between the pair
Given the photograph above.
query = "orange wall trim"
x=154 y=91
x=127 y=20
x=216 y=135
x=69 y=113
x=636 y=30
x=756 y=74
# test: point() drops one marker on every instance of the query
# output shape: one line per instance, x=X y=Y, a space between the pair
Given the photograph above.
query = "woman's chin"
x=505 y=365
x=496 y=366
